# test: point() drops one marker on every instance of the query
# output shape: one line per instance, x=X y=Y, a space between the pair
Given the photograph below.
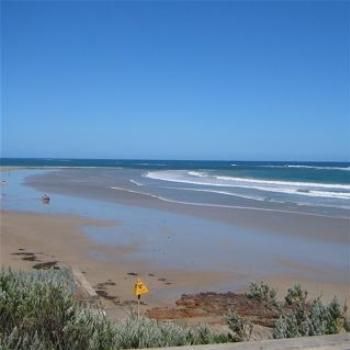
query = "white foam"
x=197 y=173
x=136 y=192
x=339 y=191
x=136 y=182
x=225 y=193
x=283 y=183
x=297 y=166
x=339 y=195
x=164 y=199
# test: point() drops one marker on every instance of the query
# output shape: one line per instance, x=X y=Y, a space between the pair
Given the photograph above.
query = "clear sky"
x=176 y=80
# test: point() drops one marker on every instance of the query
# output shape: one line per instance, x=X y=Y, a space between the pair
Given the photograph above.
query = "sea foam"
x=310 y=189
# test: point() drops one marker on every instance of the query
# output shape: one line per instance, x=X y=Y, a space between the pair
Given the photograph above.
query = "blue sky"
x=176 y=80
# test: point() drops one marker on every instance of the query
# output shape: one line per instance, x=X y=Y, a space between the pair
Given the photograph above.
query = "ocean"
x=213 y=183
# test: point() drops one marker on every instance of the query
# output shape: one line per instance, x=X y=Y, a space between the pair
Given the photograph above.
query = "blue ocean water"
x=327 y=172
x=214 y=182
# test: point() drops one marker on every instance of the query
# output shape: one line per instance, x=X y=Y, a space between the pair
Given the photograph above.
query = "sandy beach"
x=113 y=237
x=201 y=147
x=58 y=238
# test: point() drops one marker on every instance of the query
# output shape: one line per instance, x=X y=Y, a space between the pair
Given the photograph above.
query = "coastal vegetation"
x=41 y=310
x=240 y=327
x=262 y=291
x=299 y=316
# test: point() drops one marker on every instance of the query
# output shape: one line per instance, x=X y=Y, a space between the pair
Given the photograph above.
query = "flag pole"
x=138 y=306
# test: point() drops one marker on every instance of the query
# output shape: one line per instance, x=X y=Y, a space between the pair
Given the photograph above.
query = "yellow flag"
x=140 y=288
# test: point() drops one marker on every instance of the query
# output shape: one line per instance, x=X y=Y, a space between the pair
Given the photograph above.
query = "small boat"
x=45 y=199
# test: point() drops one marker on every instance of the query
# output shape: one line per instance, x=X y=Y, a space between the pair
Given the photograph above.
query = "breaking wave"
x=315 y=167
x=253 y=208
x=310 y=189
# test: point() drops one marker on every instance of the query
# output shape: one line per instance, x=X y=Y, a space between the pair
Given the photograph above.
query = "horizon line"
x=177 y=159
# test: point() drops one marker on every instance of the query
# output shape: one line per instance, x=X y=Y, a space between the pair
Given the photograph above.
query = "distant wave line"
x=235 y=181
x=296 y=166
x=225 y=206
x=286 y=183
x=53 y=167
x=136 y=182
x=338 y=195
x=225 y=193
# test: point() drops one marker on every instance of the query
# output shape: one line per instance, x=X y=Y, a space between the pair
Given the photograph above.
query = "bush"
x=240 y=327
x=286 y=327
x=309 y=319
x=205 y=335
x=38 y=311
x=336 y=317
x=296 y=296
x=262 y=292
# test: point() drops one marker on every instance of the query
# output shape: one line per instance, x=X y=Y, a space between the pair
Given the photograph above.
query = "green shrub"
x=38 y=310
x=309 y=319
x=336 y=317
x=240 y=327
x=204 y=335
x=296 y=296
x=262 y=292
x=286 y=327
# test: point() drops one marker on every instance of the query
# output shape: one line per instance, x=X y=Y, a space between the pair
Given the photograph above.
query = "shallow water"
x=317 y=185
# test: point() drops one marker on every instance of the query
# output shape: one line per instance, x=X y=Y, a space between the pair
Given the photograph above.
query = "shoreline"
x=306 y=225
x=113 y=267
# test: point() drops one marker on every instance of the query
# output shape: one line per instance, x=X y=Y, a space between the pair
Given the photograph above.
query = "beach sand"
x=28 y=239
x=57 y=238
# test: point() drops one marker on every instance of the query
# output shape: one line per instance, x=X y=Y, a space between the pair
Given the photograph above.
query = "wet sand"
x=328 y=224
x=58 y=238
